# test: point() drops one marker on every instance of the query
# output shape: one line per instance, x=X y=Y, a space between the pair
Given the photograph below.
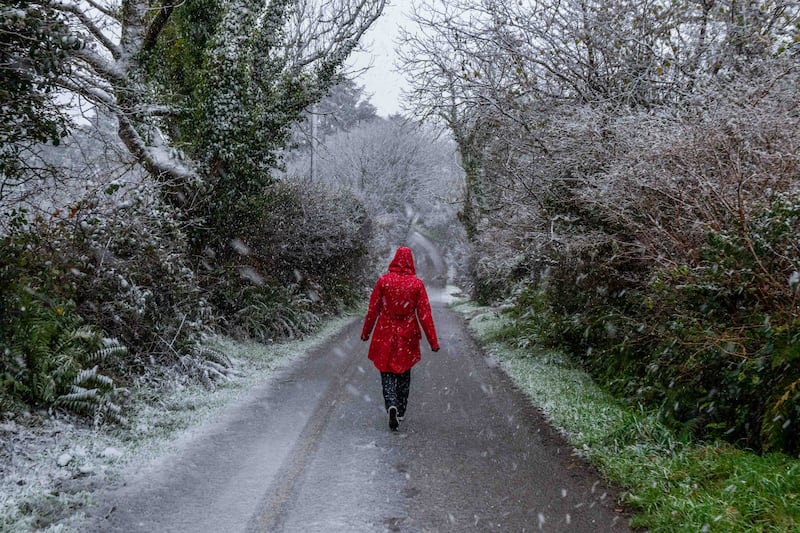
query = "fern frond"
x=209 y=354
x=104 y=381
x=80 y=400
x=73 y=332
x=44 y=388
x=85 y=376
x=78 y=394
x=102 y=354
x=93 y=377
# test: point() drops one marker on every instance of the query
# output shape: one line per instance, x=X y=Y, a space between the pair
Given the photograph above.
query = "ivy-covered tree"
x=200 y=89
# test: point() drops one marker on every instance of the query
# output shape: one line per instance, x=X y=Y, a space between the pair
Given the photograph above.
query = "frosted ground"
x=50 y=466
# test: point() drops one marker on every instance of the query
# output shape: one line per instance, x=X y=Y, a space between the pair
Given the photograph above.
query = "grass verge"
x=672 y=485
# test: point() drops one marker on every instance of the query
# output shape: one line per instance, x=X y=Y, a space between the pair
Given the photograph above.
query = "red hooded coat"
x=397 y=302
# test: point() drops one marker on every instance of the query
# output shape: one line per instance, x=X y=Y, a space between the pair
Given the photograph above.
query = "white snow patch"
x=112 y=453
x=240 y=247
x=249 y=273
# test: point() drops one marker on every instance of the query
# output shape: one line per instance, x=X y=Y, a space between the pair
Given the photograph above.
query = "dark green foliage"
x=268 y=314
x=177 y=60
x=35 y=43
x=715 y=345
x=51 y=359
x=742 y=329
x=126 y=272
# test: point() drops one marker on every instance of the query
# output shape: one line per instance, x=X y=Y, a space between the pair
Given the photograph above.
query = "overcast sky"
x=381 y=81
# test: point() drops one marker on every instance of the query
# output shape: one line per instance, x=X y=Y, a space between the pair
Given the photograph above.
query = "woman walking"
x=399 y=303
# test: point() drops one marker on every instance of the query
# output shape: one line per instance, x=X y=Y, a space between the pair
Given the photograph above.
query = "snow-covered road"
x=311 y=451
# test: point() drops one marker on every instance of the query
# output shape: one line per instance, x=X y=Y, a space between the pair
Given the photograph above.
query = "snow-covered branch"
x=329 y=29
x=89 y=24
x=89 y=88
x=156 y=110
x=107 y=69
x=157 y=160
x=109 y=12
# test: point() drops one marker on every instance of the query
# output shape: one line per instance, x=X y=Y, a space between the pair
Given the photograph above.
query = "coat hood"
x=403 y=262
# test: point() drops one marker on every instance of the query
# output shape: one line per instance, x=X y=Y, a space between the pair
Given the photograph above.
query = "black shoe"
x=393 y=423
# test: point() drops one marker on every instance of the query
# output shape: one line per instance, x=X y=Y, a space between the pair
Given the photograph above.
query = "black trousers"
x=395 y=390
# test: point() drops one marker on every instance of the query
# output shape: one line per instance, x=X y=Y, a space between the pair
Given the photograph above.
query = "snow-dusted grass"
x=566 y=395
x=672 y=484
x=462 y=303
x=50 y=467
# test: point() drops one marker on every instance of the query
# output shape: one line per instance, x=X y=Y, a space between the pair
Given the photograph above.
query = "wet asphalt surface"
x=311 y=451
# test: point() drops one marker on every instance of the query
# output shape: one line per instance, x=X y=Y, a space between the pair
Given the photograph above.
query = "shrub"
x=715 y=345
x=741 y=329
x=124 y=267
x=52 y=359
x=133 y=277
x=302 y=253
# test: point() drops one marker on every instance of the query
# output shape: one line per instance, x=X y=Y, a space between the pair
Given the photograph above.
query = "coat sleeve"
x=375 y=303
x=426 y=318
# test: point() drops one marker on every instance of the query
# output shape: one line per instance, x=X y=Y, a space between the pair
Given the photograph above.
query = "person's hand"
x=365 y=338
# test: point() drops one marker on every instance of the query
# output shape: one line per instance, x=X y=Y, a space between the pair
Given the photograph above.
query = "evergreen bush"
x=51 y=358
x=713 y=345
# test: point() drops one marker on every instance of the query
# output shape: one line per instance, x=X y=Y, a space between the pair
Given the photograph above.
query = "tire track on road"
x=272 y=510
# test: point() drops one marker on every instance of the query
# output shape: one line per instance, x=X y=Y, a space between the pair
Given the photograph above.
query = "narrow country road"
x=311 y=451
